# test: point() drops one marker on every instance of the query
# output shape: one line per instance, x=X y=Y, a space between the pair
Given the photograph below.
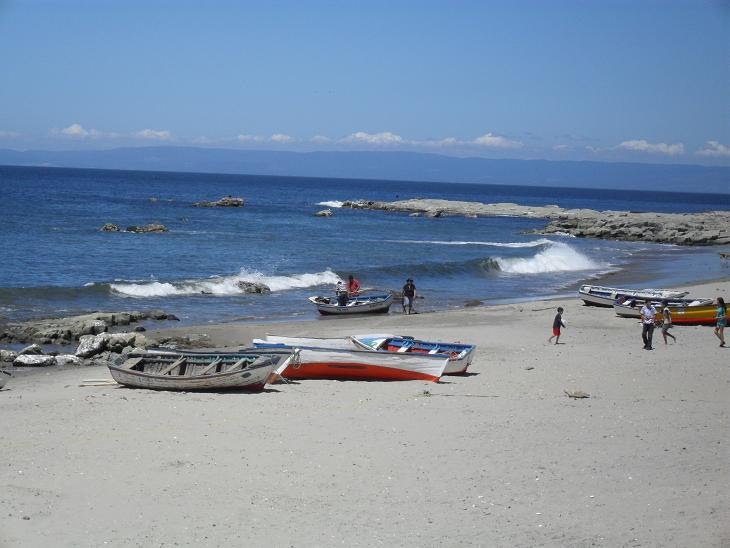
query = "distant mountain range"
x=410 y=166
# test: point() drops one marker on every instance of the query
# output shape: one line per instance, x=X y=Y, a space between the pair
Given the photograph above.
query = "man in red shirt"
x=353 y=286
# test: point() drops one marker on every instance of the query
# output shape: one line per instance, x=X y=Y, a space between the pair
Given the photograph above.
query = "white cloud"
x=715 y=149
x=321 y=139
x=280 y=138
x=642 y=145
x=75 y=130
x=243 y=138
x=446 y=142
x=154 y=134
x=490 y=140
x=384 y=138
x=560 y=148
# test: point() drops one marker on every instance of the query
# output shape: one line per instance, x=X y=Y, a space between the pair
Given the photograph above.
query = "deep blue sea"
x=56 y=262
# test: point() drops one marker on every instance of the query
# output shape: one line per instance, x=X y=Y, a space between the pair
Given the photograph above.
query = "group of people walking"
x=649 y=321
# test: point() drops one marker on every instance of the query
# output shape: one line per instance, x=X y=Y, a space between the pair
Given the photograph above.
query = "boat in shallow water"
x=246 y=370
x=361 y=304
x=598 y=295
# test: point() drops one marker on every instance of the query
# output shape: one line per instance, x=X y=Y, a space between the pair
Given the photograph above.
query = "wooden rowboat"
x=247 y=370
x=626 y=310
x=362 y=304
x=598 y=295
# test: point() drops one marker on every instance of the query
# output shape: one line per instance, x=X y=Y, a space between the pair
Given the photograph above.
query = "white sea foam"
x=556 y=258
x=332 y=203
x=532 y=243
x=224 y=285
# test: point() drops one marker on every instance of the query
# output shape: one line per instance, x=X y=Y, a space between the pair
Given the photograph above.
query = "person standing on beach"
x=353 y=286
x=557 y=324
x=648 y=316
x=667 y=322
x=721 y=320
x=409 y=293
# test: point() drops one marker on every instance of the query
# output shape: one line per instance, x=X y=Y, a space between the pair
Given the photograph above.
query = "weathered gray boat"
x=245 y=370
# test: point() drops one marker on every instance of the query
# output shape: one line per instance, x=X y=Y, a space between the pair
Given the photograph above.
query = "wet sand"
x=501 y=457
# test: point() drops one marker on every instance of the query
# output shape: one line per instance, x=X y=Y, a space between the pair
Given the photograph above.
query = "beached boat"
x=4 y=377
x=332 y=363
x=598 y=295
x=694 y=315
x=460 y=355
x=362 y=304
x=246 y=370
x=632 y=308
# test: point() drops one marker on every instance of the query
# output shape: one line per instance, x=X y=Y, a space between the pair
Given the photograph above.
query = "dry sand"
x=501 y=457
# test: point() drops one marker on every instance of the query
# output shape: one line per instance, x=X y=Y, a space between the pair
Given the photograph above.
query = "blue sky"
x=616 y=81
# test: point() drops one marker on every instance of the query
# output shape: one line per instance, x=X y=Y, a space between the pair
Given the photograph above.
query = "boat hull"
x=596 y=295
x=311 y=363
x=681 y=315
x=377 y=304
x=459 y=355
x=252 y=377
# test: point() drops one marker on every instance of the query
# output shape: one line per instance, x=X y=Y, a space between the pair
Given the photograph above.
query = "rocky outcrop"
x=148 y=228
x=70 y=329
x=91 y=345
x=32 y=360
x=708 y=228
x=324 y=213
x=228 y=201
x=253 y=287
x=109 y=227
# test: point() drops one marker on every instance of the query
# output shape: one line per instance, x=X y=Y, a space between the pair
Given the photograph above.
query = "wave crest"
x=558 y=257
x=224 y=285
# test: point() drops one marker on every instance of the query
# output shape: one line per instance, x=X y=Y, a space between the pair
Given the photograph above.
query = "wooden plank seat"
x=174 y=365
x=212 y=366
x=131 y=363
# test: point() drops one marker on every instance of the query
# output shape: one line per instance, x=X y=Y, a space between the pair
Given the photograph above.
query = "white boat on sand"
x=598 y=295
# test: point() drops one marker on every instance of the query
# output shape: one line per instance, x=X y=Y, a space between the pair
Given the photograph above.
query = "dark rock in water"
x=324 y=213
x=148 y=228
x=228 y=201
x=172 y=318
x=140 y=328
x=253 y=287
x=109 y=227
x=474 y=302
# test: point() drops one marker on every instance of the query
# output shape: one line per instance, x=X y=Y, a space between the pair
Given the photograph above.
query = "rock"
x=324 y=213
x=109 y=227
x=140 y=328
x=172 y=318
x=90 y=345
x=33 y=349
x=68 y=359
x=7 y=355
x=30 y=360
x=228 y=201
x=473 y=302
x=92 y=327
x=151 y=227
x=253 y=287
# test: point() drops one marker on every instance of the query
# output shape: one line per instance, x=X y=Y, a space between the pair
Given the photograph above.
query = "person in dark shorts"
x=409 y=294
x=557 y=324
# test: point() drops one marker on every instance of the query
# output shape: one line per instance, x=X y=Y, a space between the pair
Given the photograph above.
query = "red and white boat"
x=338 y=364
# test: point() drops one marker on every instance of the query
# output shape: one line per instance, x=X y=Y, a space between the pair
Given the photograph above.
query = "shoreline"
x=499 y=457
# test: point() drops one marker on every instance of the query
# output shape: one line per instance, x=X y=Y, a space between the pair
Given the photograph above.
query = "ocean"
x=56 y=262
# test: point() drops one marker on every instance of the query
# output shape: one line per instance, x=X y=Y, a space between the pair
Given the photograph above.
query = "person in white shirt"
x=667 y=322
x=648 y=317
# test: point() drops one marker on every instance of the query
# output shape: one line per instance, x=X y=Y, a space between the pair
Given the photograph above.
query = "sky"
x=638 y=81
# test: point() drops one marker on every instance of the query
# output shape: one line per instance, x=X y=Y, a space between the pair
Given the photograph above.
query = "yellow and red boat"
x=694 y=315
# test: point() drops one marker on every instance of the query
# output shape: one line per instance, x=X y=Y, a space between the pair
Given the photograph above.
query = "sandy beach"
x=501 y=457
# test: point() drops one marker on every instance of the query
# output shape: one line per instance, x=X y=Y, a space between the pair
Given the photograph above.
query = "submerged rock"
x=148 y=228
x=228 y=201
x=324 y=213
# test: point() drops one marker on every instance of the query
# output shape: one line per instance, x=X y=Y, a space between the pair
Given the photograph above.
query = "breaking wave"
x=332 y=203
x=557 y=257
x=224 y=285
x=532 y=243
